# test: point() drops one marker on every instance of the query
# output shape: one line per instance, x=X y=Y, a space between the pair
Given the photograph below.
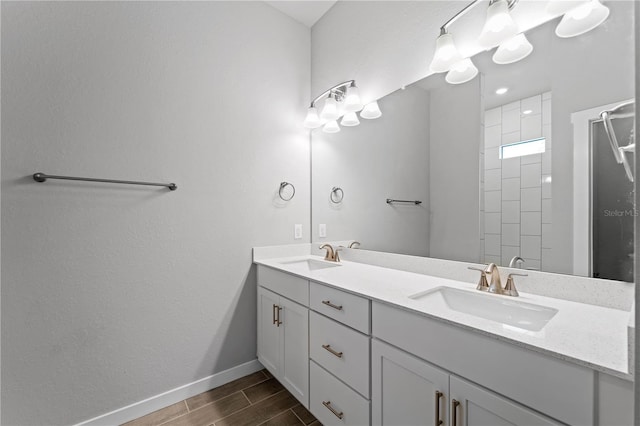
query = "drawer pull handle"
x=438 y=421
x=276 y=315
x=328 y=303
x=328 y=347
x=327 y=404
x=454 y=412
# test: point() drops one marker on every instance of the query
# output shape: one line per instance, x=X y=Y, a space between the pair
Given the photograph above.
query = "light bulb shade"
x=499 y=25
x=371 y=111
x=330 y=109
x=461 y=72
x=582 y=19
x=513 y=50
x=312 y=121
x=350 y=119
x=560 y=7
x=446 y=54
x=352 y=100
x=331 y=127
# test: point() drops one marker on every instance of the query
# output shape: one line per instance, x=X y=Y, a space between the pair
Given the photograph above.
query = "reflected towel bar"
x=41 y=177
x=416 y=202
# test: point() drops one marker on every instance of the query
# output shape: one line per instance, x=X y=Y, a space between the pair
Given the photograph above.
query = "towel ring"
x=337 y=194
x=283 y=185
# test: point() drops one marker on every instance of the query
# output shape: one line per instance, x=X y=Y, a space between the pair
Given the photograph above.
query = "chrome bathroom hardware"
x=515 y=260
x=624 y=110
x=41 y=177
x=391 y=201
x=283 y=185
x=337 y=194
x=354 y=245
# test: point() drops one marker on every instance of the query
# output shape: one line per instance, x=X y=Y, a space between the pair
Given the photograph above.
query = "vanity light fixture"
x=350 y=119
x=331 y=127
x=502 y=91
x=501 y=30
x=499 y=25
x=371 y=111
x=582 y=19
x=513 y=50
x=341 y=100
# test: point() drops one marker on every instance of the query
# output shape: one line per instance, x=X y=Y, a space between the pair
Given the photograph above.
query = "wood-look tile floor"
x=256 y=399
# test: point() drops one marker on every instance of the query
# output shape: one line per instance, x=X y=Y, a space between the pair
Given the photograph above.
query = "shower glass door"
x=612 y=208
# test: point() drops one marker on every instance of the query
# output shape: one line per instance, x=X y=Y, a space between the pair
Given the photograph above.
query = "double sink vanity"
x=362 y=344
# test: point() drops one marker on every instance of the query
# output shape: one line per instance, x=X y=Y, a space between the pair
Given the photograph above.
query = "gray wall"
x=115 y=294
x=383 y=158
x=454 y=172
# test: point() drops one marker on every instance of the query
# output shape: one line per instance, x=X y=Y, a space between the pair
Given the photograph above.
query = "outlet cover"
x=297 y=231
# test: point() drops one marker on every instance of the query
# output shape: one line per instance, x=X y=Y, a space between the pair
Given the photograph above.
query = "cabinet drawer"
x=333 y=402
x=341 y=350
x=344 y=307
x=289 y=286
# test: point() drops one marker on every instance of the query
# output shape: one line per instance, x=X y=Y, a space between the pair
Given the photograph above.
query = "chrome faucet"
x=332 y=254
x=354 y=245
x=515 y=260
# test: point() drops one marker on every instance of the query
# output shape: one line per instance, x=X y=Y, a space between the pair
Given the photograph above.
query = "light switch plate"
x=322 y=230
x=297 y=231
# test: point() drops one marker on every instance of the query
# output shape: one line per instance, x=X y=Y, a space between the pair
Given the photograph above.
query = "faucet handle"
x=510 y=286
x=483 y=285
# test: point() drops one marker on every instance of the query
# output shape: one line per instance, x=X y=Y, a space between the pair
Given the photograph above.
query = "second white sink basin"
x=502 y=309
x=309 y=265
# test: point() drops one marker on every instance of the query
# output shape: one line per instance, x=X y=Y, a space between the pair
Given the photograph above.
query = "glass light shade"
x=350 y=119
x=330 y=109
x=582 y=19
x=560 y=7
x=371 y=111
x=331 y=127
x=513 y=50
x=499 y=25
x=312 y=121
x=352 y=100
x=461 y=72
x=446 y=54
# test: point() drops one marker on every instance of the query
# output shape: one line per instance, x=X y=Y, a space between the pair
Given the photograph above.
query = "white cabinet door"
x=269 y=336
x=474 y=406
x=295 y=349
x=406 y=390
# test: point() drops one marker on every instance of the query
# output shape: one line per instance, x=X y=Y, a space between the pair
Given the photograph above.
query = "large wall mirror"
x=525 y=176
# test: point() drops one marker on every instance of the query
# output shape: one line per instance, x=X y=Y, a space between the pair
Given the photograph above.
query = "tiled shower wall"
x=516 y=211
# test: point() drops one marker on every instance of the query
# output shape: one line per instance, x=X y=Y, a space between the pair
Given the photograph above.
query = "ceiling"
x=307 y=12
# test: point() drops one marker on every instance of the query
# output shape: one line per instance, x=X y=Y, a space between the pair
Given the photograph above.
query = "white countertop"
x=588 y=335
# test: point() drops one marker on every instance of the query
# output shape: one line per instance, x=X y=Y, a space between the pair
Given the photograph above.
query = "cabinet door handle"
x=328 y=303
x=273 y=313
x=328 y=347
x=454 y=412
x=327 y=404
x=278 y=309
x=439 y=395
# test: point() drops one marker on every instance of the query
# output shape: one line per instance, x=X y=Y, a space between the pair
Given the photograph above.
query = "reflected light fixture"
x=331 y=127
x=499 y=25
x=502 y=91
x=341 y=100
x=350 y=119
x=446 y=53
x=582 y=19
x=330 y=109
x=371 y=111
x=461 y=72
x=513 y=50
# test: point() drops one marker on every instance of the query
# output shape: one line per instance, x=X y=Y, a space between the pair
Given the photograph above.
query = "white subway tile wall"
x=517 y=192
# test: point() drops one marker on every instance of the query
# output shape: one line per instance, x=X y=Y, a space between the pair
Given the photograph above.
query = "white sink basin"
x=309 y=265
x=502 y=309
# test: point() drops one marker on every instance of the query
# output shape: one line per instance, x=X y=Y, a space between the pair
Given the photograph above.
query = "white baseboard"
x=149 y=405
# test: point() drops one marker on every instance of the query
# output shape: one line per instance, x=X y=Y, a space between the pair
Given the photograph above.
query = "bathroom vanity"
x=362 y=344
